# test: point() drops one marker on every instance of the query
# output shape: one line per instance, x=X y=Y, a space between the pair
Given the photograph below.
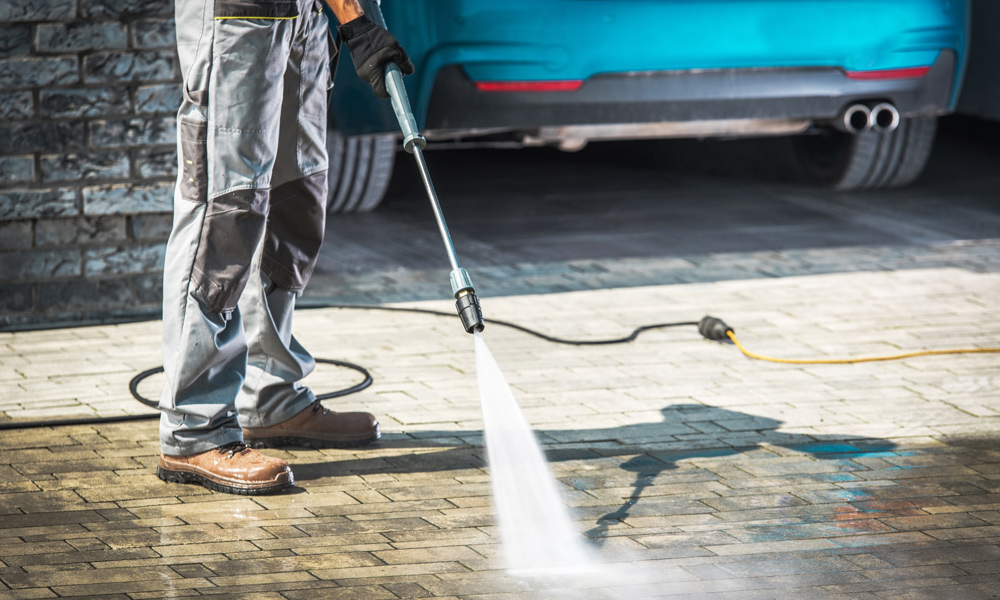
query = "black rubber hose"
x=624 y=340
x=81 y=421
x=133 y=385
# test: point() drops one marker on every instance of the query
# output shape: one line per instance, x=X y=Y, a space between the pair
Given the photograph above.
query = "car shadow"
x=686 y=432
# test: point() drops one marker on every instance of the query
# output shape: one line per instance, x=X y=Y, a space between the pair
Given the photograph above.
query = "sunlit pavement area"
x=699 y=472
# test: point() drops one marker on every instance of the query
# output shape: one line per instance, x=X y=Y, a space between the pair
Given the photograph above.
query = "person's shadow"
x=745 y=431
x=687 y=431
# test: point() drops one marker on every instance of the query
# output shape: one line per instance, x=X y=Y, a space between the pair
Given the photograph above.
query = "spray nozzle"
x=714 y=329
x=469 y=311
x=466 y=301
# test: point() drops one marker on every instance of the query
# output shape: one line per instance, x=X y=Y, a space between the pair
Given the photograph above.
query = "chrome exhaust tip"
x=857 y=118
x=884 y=117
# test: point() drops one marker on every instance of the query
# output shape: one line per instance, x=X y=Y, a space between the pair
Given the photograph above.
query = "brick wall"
x=88 y=92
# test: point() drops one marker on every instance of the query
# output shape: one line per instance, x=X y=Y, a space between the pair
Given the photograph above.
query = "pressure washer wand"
x=466 y=301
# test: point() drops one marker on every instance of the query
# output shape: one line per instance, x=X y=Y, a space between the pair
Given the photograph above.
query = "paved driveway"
x=695 y=472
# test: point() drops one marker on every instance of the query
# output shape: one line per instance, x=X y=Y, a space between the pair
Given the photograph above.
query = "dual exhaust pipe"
x=859 y=118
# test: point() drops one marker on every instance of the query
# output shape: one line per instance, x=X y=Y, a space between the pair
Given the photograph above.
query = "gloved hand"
x=371 y=48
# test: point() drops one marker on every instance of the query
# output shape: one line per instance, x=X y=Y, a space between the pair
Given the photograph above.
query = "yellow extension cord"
x=844 y=361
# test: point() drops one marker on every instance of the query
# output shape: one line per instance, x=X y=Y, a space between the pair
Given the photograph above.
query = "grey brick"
x=16 y=297
x=70 y=37
x=153 y=33
x=16 y=105
x=148 y=288
x=156 y=162
x=50 y=136
x=151 y=226
x=133 y=132
x=111 y=67
x=123 y=260
x=37 y=72
x=84 y=293
x=80 y=230
x=87 y=165
x=32 y=204
x=15 y=235
x=16 y=169
x=39 y=264
x=15 y=40
x=116 y=9
x=123 y=199
x=158 y=98
x=85 y=102
x=36 y=10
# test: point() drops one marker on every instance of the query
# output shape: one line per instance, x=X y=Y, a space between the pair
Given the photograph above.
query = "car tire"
x=868 y=160
x=360 y=170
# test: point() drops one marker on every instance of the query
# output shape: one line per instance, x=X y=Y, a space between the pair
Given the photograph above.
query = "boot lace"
x=316 y=407
x=233 y=448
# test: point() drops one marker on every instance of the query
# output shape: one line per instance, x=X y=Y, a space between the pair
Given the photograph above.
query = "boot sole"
x=185 y=477
x=308 y=442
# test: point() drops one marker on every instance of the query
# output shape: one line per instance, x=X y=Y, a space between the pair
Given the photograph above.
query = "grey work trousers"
x=249 y=212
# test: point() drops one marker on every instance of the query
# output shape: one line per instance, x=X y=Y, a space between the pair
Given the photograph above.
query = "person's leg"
x=272 y=393
x=233 y=72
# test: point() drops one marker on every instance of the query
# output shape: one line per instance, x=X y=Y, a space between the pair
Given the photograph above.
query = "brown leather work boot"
x=234 y=469
x=317 y=427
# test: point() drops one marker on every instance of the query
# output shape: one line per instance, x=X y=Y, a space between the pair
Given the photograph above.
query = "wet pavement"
x=700 y=473
x=696 y=472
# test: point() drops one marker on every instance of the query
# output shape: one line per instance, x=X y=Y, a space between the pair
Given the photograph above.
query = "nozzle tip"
x=470 y=312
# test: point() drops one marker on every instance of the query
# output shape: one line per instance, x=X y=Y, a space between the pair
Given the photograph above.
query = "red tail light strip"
x=566 y=85
x=885 y=74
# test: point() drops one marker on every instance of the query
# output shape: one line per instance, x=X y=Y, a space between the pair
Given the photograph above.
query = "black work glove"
x=371 y=48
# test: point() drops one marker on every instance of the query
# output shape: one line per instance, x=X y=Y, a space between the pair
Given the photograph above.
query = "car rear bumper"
x=815 y=94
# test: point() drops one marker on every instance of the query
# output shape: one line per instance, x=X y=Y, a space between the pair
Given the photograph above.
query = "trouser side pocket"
x=194 y=160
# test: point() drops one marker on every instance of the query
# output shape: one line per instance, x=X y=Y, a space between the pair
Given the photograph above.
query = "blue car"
x=858 y=83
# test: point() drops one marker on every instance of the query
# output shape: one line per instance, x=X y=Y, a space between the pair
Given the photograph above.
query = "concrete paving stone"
x=967 y=533
x=945 y=555
x=88 y=576
x=61 y=559
x=884 y=539
x=366 y=592
x=344 y=526
x=123 y=587
x=890 y=588
x=734 y=503
x=834 y=531
x=821 y=511
x=771 y=547
x=255 y=580
x=221 y=594
x=948 y=592
x=668 y=540
x=931 y=522
x=27 y=594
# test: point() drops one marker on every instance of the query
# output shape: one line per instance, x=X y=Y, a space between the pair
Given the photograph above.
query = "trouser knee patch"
x=234 y=224
x=295 y=227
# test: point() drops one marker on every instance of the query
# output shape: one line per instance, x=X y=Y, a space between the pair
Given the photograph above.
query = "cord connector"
x=714 y=329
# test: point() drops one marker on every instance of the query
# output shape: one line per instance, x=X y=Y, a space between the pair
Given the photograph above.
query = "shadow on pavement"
x=730 y=433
